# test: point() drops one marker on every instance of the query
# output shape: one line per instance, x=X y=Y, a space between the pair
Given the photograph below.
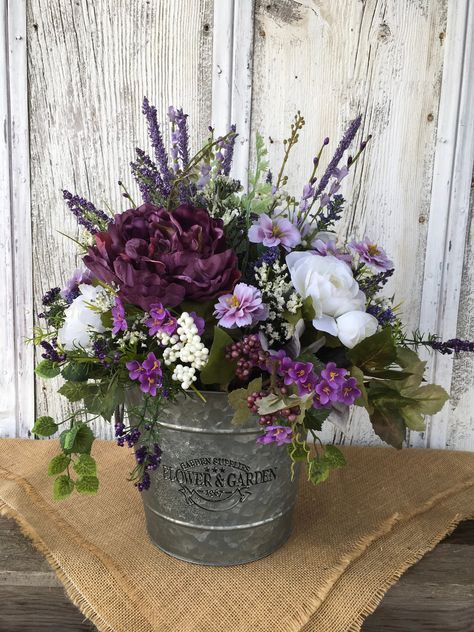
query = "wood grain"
x=89 y=65
x=435 y=595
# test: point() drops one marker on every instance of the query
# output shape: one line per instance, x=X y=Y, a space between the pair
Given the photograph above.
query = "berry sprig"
x=249 y=354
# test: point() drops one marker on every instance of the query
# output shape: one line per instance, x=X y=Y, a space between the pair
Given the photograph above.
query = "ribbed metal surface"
x=218 y=497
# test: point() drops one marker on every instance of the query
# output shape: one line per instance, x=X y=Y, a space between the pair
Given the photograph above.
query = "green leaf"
x=375 y=352
x=104 y=399
x=75 y=391
x=315 y=417
x=58 y=464
x=318 y=471
x=413 y=419
x=77 y=439
x=44 y=427
x=85 y=465
x=47 y=369
x=430 y=398
x=218 y=369
x=238 y=401
x=62 y=487
x=76 y=372
x=87 y=485
x=389 y=426
x=334 y=457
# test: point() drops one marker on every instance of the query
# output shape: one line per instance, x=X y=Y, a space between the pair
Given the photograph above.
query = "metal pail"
x=219 y=497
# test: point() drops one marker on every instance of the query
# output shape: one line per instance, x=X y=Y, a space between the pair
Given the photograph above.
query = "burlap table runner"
x=354 y=536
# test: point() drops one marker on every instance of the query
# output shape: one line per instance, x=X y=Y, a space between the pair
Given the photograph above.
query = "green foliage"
x=103 y=398
x=75 y=391
x=375 y=352
x=58 y=464
x=63 y=487
x=85 y=465
x=238 y=401
x=315 y=417
x=88 y=485
x=77 y=439
x=218 y=369
x=47 y=369
x=259 y=197
x=44 y=427
x=76 y=371
x=321 y=465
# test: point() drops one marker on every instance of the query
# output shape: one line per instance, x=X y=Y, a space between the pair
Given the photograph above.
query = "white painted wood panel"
x=16 y=293
x=90 y=64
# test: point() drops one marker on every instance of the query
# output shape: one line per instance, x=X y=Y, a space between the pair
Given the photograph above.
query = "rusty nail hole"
x=206 y=28
x=430 y=117
x=35 y=26
x=268 y=7
x=442 y=35
x=422 y=219
x=261 y=32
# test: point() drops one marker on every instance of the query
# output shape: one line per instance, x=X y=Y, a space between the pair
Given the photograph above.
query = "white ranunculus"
x=334 y=293
x=80 y=320
x=330 y=284
x=353 y=327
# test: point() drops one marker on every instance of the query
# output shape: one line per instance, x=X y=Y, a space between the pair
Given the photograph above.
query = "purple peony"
x=157 y=256
x=272 y=232
x=371 y=254
x=242 y=308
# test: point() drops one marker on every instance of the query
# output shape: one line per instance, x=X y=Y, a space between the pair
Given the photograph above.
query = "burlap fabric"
x=354 y=536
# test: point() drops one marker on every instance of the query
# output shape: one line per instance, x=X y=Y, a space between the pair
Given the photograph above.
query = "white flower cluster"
x=186 y=346
x=82 y=318
x=131 y=336
x=279 y=294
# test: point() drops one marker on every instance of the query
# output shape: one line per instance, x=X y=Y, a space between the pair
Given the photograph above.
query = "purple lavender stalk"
x=147 y=176
x=157 y=143
x=341 y=149
x=228 y=151
x=87 y=215
x=454 y=345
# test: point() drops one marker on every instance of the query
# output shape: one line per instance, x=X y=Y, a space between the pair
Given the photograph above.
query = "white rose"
x=329 y=283
x=353 y=327
x=81 y=320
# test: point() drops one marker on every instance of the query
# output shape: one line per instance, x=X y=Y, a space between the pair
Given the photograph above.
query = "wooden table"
x=435 y=595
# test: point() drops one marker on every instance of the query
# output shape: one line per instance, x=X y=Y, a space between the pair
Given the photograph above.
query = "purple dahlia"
x=158 y=256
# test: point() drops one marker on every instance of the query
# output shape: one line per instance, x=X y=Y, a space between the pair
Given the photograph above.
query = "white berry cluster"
x=186 y=347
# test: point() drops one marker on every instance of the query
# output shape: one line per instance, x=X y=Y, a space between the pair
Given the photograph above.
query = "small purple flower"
x=135 y=369
x=329 y=247
x=294 y=372
x=151 y=377
x=199 y=322
x=272 y=232
x=308 y=386
x=118 y=316
x=71 y=289
x=325 y=393
x=160 y=320
x=349 y=392
x=371 y=254
x=276 y=434
x=333 y=376
x=242 y=308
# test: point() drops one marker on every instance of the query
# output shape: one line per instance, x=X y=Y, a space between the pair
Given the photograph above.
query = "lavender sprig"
x=341 y=149
x=157 y=143
x=373 y=284
x=86 y=214
x=147 y=177
x=228 y=151
x=454 y=345
x=51 y=352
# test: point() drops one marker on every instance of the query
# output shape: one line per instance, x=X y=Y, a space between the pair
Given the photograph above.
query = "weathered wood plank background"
x=406 y=65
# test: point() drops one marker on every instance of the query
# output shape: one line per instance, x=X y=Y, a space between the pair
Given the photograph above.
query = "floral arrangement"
x=205 y=286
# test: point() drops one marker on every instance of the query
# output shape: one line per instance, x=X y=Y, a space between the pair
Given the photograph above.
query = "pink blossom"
x=272 y=232
x=242 y=308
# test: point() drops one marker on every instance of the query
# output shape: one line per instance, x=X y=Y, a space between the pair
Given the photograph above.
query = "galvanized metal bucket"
x=218 y=498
